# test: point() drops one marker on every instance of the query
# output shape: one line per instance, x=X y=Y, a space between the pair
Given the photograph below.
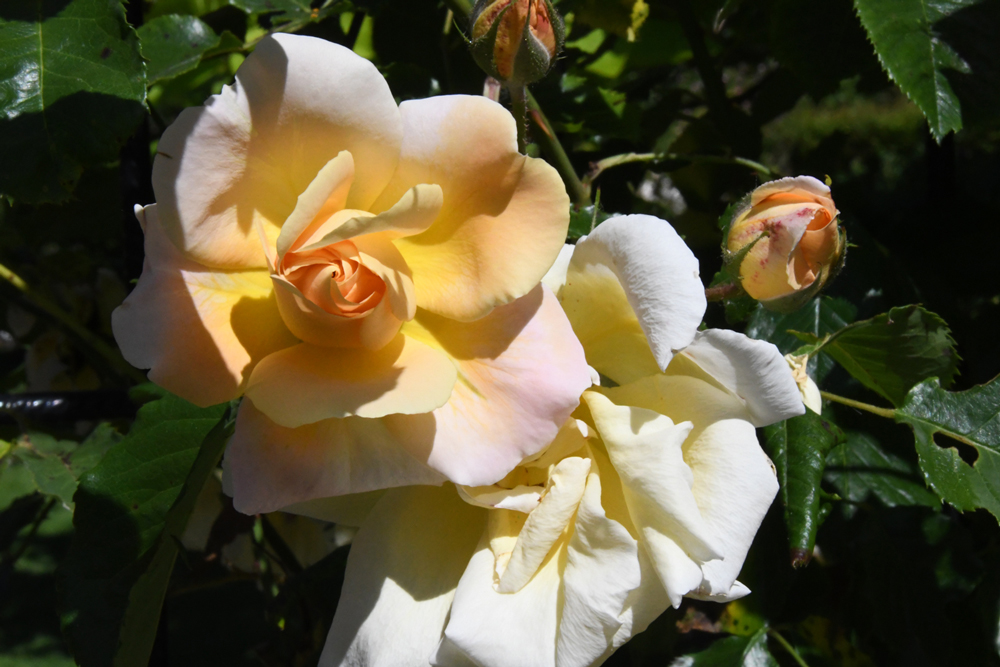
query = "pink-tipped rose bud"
x=797 y=243
x=516 y=41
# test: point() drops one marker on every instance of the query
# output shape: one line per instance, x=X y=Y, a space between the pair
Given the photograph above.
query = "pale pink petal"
x=200 y=331
x=270 y=467
x=521 y=372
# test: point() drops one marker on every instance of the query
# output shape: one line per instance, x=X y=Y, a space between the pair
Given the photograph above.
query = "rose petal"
x=546 y=522
x=307 y=383
x=316 y=326
x=200 y=332
x=504 y=216
x=646 y=450
x=658 y=275
x=349 y=510
x=242 y=160
x=735 y=484
x=528 y=619
x=521 y=373
x=753 y=370
x=602 y=572
x=326 y=194
x=412 y=214
x=404 y=565
x=270 y=467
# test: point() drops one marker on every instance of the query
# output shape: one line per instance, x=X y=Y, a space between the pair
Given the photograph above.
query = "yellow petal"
x=504 y=216
x=307 y=383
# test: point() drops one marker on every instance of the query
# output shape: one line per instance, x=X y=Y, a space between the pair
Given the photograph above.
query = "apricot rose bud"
x=797 y=244
x=516 y=41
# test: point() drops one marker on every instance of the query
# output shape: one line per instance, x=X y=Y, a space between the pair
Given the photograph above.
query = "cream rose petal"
x=404 y=565
x=501 y=629
x=734 y=483
x=633 y=294
x=200 y=332
x=244 y=158
x=270 y=467
x=504 y=216
x=646 y=450
x=307 y=383
x=521 y=372
x=602 y=571
x=546 y=523
x=753 y=370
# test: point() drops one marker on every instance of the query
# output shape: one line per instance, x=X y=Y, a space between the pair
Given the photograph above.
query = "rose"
x=366 y=274
x=652 y=492
x=797 y=244
x=516 y=41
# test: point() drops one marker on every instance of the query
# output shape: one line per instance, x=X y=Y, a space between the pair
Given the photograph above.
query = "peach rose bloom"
x=803 y=243
x=366 y=274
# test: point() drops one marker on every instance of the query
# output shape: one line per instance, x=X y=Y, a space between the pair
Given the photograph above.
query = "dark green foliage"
x=74 y=91
x=799 y=447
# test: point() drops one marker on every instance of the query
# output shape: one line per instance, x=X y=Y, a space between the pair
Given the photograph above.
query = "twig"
x=44 y=306
x=875 y=410
x=553 y=149
x=599 y=167
x=788 y=647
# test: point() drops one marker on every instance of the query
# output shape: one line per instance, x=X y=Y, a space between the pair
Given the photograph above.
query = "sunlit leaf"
x=73 y=91
x=750 y=651
x=945 y=422
x=906 y=39
x=174 y=44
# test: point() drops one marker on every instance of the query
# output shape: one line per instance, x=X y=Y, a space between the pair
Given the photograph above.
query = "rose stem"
x=875 y=410
x=43 y=306
x=597 y=168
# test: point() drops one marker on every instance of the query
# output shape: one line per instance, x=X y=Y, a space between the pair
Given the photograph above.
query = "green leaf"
x=860 y=468
x=799 y=447
x=968 y=419
x=732 y=652
x=53 y=466
x=124 y=510
x=75 y=88
x=290 y=15
x=894 y=351
x=173 y=45
x=911 y=51
x=821 y=316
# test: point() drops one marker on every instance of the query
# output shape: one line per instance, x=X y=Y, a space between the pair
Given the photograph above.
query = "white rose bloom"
x=652 y=491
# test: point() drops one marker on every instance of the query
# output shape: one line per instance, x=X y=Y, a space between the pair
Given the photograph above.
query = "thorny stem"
x=553 y=149
x=519 y=102
x=875 y=410
x=788 y=647
x=720 y=292
x=44 y=306
x=597 y=168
